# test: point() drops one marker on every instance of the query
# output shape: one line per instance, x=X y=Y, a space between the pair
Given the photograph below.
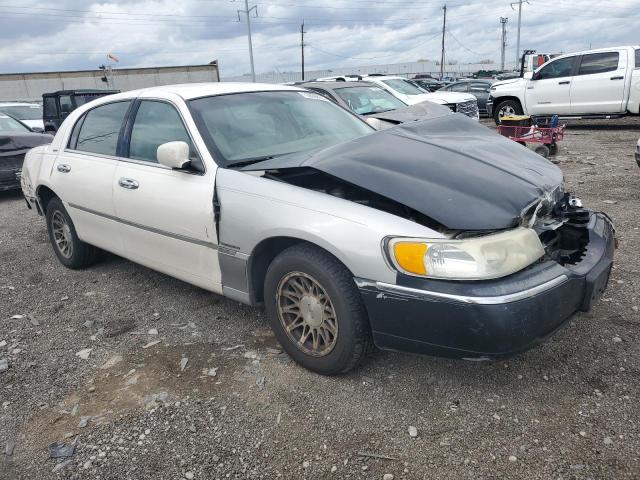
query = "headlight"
x=479 y=258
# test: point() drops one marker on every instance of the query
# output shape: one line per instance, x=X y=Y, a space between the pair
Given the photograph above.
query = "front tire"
x=70 y=250
x=316 y=311
x=505 y=108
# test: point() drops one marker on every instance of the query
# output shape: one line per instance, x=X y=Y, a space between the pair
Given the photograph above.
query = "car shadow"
x=10 y=195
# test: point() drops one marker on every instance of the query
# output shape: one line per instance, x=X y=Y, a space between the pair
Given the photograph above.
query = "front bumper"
x=10 y=178
x=495 y=318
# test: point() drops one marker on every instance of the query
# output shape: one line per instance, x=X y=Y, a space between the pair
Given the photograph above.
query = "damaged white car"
x=437 y=236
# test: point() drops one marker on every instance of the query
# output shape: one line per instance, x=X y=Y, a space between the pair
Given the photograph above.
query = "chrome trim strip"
x=431 y=295
x=177 y=236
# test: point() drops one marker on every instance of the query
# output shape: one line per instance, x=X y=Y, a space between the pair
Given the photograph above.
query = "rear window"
x=24 y=112
x=101 y=127
x=599 y=63
x=50 y=107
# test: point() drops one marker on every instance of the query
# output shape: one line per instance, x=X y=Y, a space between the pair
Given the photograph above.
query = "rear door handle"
x=617 y=78
x=128 y=183
x=564 y=83
x=63 y=168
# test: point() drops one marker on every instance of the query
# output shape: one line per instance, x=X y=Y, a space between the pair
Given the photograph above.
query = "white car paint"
x=443 y=98
x=168 y=224
x=615 y=91
x=34 y=123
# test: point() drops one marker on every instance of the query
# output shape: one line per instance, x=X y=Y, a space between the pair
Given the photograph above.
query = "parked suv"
x=58 y=105
x=599 y=83
x=478 y=88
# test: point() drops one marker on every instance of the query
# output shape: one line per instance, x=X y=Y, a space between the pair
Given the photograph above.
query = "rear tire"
x=506 y=107
x=316 y=311
x=71 y=251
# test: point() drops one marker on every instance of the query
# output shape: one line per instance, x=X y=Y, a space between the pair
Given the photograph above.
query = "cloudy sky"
x=77 y=34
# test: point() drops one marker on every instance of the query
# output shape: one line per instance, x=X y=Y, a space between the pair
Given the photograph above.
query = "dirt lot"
x=241 y=409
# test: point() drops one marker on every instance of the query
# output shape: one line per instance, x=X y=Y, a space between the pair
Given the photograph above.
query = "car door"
x=549 y=91
x=84 y=170
x=599 y=85
x=481 y=91
x=167 y=216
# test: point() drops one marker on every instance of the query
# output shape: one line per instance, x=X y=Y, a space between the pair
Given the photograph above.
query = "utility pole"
x=503 y=22
x=247 y=11
x=302 y=32
x=519 y=3
x=444 y=29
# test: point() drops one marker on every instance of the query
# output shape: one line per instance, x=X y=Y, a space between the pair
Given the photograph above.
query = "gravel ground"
x=216 y=398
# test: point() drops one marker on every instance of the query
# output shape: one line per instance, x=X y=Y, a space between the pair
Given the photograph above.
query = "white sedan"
x=439 y=236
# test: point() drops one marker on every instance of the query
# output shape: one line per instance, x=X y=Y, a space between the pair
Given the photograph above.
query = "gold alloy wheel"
x=307 y=314
x=62 y=234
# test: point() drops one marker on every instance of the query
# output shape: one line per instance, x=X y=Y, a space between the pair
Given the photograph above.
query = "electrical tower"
x=503 y=22
x=247 y=11
x=444 y=29
x=302 y=32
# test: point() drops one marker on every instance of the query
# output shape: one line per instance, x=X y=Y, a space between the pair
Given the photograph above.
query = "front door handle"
x=63 y=168
x=128 y=183
x=567 y=82
x=617 y=78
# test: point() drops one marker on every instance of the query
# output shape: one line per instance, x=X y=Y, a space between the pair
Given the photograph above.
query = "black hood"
x=451 y=169
x=12 y=143
x=413 y=113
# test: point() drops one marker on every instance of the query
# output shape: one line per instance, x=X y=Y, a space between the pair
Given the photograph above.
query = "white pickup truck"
x=599 y=83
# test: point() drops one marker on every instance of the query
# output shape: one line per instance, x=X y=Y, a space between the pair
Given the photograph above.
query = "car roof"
x=335 y=85
x=385 y=77
x=18 y=104
x=189 y=91
x=80 y=91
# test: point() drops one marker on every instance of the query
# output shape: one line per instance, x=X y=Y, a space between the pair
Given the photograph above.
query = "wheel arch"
x=44 y=195
x=497 y=101
x=267 y=250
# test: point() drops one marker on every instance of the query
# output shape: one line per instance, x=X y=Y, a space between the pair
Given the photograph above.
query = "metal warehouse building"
x=31 y=86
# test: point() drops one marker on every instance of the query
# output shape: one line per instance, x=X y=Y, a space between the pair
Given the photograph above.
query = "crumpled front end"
x=504 y=316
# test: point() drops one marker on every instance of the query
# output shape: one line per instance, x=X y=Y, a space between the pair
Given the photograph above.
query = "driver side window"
x=557 y=69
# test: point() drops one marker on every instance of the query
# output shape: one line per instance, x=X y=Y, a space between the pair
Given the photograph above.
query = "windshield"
x=8 y=124
x=368 y=100
x=403 y=86
x=23 y=112
x=245 y=127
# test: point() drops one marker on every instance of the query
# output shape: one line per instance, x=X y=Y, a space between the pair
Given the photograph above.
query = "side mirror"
x=173 y=155
x=529 y=76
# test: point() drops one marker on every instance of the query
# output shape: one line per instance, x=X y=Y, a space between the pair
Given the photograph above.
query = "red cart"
x=547 y=136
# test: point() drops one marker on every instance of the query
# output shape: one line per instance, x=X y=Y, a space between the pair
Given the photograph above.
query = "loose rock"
x=84 y=354
x=413 y=432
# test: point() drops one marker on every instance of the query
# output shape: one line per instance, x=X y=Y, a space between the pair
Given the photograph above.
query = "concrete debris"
x=413 y=432
x=228 y=349
x=4 y=365
x=260 y=381
x=513 y=458
x=387 y=476
x=84 y=353
x=151 y=344
x=152 y=400
x=617 y=340
x=61 y=450
x=111 y=362
x=34 y=321
x=610 y=202
x=251 y=354
x=189 y=475
x=9 y=448
x=211 y=372
x=153 y=331
x=17 y=317
x=608 y=441
x=183 y=363
x=84 y=421
x=3 y=343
